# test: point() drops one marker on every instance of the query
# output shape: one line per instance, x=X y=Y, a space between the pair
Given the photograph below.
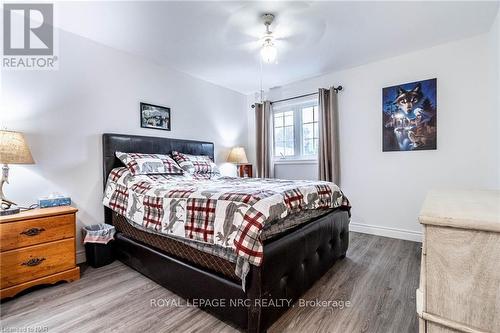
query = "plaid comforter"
x=228 y=212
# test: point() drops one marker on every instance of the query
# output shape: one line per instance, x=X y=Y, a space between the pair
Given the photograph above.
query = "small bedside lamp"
x=239 y=157
x=13 y=150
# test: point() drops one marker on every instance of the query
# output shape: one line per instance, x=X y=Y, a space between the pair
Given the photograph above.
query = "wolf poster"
x=409 y=116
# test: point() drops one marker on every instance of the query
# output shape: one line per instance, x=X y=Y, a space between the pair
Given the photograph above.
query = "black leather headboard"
x=112 y=143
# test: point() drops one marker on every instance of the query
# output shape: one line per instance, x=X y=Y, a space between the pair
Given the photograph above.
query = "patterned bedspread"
x=227 y=212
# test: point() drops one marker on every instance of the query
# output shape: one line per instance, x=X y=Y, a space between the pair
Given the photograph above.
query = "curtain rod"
x=339 y=88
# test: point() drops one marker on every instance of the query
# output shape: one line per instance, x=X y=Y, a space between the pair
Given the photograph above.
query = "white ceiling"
x=216 y=41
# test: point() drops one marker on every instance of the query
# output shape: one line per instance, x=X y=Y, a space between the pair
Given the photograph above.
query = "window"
x=296 y=132
x=284 y=136
x=310 y=135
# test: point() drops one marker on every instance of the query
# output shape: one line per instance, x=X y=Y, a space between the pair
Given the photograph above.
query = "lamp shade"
x=237 y=155
x=14 y=149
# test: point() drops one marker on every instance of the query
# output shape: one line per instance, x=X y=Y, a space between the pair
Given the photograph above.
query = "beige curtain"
x=264 y=139
x=328 y=150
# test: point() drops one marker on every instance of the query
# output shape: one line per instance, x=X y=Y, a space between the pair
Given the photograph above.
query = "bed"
x=292 y=260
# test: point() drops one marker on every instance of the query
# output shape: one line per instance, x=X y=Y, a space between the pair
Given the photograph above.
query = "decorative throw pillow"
x=149 y=164
x=195 y=164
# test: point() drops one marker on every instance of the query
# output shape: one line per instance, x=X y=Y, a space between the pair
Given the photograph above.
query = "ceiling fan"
x=273 y=29
x=268 y=52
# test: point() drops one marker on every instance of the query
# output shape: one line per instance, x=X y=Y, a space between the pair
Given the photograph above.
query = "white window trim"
x=294 y=161
x=297 y=106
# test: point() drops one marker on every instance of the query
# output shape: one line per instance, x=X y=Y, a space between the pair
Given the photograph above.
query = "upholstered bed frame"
x=292 y=263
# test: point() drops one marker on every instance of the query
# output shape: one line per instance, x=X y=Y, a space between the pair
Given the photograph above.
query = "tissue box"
x=54 y=202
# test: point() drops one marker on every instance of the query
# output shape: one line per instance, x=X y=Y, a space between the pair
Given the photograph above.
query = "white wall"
x=386 y=189
x=495 y=42
x=96 y=90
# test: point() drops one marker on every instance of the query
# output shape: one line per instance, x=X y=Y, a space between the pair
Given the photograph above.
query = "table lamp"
x=239 y=157
x=13 y=150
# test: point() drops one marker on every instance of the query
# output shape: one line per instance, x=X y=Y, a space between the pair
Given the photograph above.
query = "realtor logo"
x=28 y=36
x=28 y=29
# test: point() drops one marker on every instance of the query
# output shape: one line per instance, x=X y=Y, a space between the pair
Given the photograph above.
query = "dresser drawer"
x=463 y=275
x=19 y=234
x=29 y=263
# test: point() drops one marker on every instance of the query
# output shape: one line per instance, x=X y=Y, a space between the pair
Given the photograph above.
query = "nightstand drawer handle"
x=33 y=262
x=33 y=231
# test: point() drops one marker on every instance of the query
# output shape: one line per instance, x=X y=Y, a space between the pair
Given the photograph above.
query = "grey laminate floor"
x=378 y=278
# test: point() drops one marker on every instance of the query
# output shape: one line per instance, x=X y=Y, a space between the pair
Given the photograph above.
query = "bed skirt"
x=176 y=249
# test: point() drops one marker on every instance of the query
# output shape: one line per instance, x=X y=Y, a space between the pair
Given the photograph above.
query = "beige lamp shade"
x=14 y=149
x=238 y=156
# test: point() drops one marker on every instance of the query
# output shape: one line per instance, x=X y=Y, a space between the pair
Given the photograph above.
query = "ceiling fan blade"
x=245 y=28
x=250 y=46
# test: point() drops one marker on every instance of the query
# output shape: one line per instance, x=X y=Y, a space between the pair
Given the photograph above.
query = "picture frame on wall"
x=409 y=116
x=155 y=116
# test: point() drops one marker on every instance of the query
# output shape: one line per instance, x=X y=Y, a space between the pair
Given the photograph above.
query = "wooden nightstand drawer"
x=19 y=234
x=37 y=247
x=21 y=265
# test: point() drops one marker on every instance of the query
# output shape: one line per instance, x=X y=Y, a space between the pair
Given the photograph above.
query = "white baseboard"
x=386 y=231
x=80 y=256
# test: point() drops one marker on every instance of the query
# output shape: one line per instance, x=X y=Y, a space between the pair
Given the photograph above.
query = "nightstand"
x=245 y=170
x=37 y=247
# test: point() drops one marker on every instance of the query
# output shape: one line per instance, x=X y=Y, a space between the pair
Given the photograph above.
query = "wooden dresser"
x=37 y=247
x=460 y=273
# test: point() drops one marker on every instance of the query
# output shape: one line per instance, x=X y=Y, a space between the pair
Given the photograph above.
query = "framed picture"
x=409 y=113
x=155 y=116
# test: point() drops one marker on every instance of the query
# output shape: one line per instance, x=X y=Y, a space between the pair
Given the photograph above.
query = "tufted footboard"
x=293 y=263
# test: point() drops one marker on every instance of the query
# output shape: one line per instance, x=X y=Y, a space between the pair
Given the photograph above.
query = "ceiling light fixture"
x=269 y=52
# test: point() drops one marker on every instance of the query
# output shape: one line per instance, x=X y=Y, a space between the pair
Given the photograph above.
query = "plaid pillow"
x=195 y=164
x=149 y=164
